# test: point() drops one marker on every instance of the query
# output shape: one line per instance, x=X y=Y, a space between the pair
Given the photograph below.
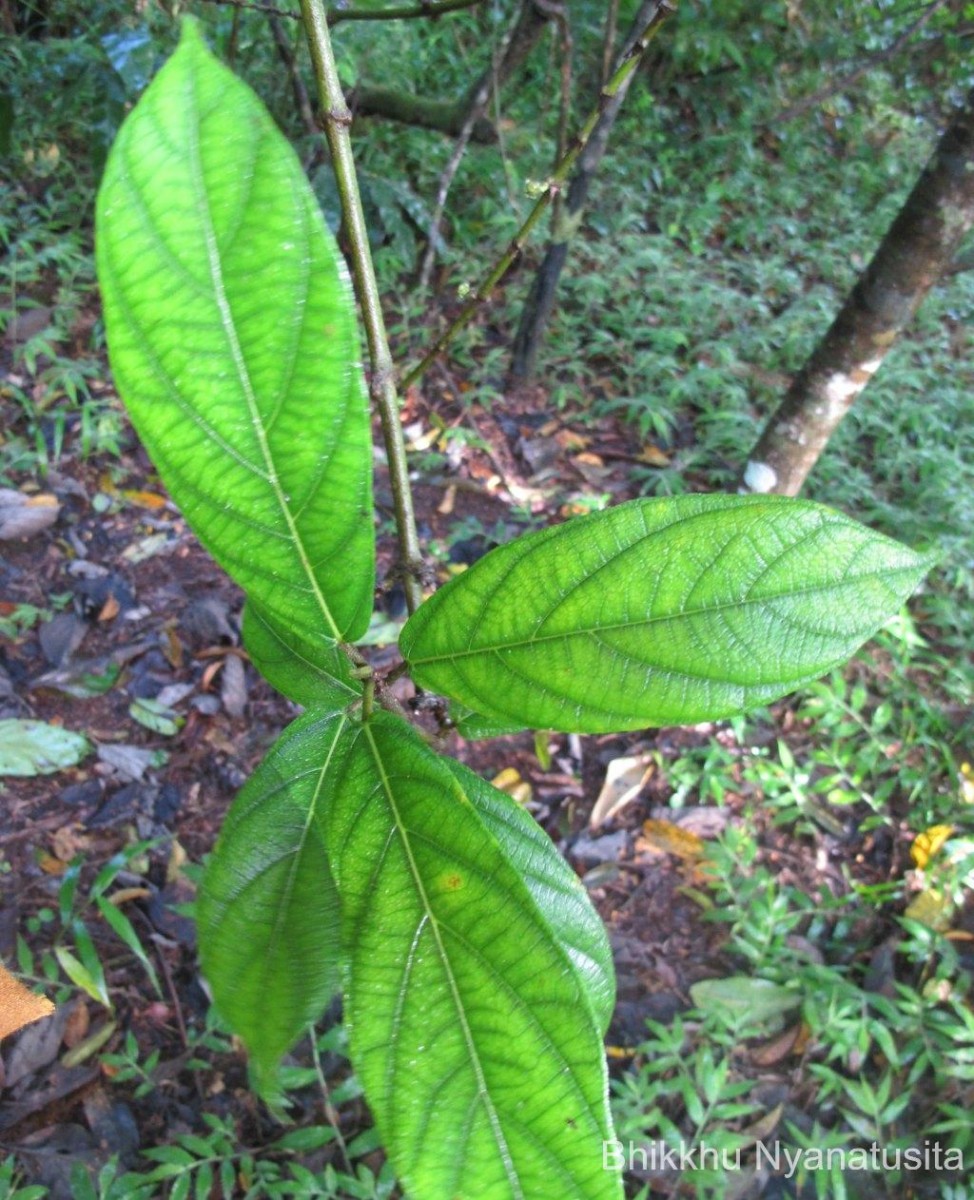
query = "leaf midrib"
x=429 y=916
x=588 y=630
x=288 y=891
x=236 y=351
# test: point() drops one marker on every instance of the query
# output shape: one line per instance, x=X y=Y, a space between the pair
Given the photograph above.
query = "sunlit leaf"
x=232 y=337
x=555 y=888
x=311 y=672
x=470 y=1026
x=267 y=910
x=659 y=612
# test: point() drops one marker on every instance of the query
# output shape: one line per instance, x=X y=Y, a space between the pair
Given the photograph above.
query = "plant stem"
x=382 y=384
x=430 y=9
x=551 y=188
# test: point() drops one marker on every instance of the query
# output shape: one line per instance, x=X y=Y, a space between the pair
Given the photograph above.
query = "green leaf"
x=155 y=716
x=232 y=337
x=92 y=982
x=34 y=748
x=740 y=996
x=124 y=929
x=313 y=673
x=311 y=1138
x=555 y=888
x=473 y=726
x=267 y=909
x=659 y=612
x=470 y=1029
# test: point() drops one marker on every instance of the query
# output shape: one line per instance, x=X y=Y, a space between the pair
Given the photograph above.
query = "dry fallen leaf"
x=68 y=842
x=663 y=837
x=624 y=780
x=445 y=507
x=653 y=456
x=21 y=515
x=509 y=780
x=967 y=783
x=110 y=609
x=769 y=1054
x=145 y=499
x=570 y=440
x=77 y=1025
x=19 y=1006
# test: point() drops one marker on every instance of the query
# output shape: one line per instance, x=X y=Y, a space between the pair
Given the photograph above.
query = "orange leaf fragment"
x=19 y=1006
x=145 y=499
x=663 y=837
x=110 y=609
x=653 y=456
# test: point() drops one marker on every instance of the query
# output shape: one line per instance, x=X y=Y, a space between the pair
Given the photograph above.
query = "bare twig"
x=302 y=101
x=559 y=15
x=478 y=107
x=553 y=185
x=836 y=86
x=609 y=40
x=331 y=1113
x=335 y=16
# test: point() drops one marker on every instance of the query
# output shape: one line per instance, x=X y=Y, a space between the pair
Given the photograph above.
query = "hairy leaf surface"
x=555 y=888
x=470 y=1027
x=231 y=332
x=268 y=908
x=314 y=673
x=659 y=612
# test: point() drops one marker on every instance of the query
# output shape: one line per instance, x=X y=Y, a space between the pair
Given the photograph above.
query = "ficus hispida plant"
x=477 y=979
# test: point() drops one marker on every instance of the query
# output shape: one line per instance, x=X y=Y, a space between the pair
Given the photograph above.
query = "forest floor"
x=122 y=628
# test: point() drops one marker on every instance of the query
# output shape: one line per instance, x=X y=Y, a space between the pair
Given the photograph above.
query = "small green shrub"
x=477 y=979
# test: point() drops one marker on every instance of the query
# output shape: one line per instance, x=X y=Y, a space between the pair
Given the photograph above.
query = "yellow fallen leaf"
x=927 y=845
x=967 y=783
x=509 y=780
x=124 y=895
x=664 y=837
x=653 y=456
x=19 y=1006
x=144 y=499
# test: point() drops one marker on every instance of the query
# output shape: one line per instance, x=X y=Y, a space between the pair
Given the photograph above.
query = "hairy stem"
x=382 y=384
x=552 y=187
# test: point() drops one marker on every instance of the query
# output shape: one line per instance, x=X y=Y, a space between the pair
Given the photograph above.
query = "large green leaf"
x=315 y=673
x=555 y=888
x=231 y=332
x=659 y=612
x=470 y=1028
x=268 y=909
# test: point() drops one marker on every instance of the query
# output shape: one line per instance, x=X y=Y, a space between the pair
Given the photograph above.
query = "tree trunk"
x=916 y=251
x=541 y=299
